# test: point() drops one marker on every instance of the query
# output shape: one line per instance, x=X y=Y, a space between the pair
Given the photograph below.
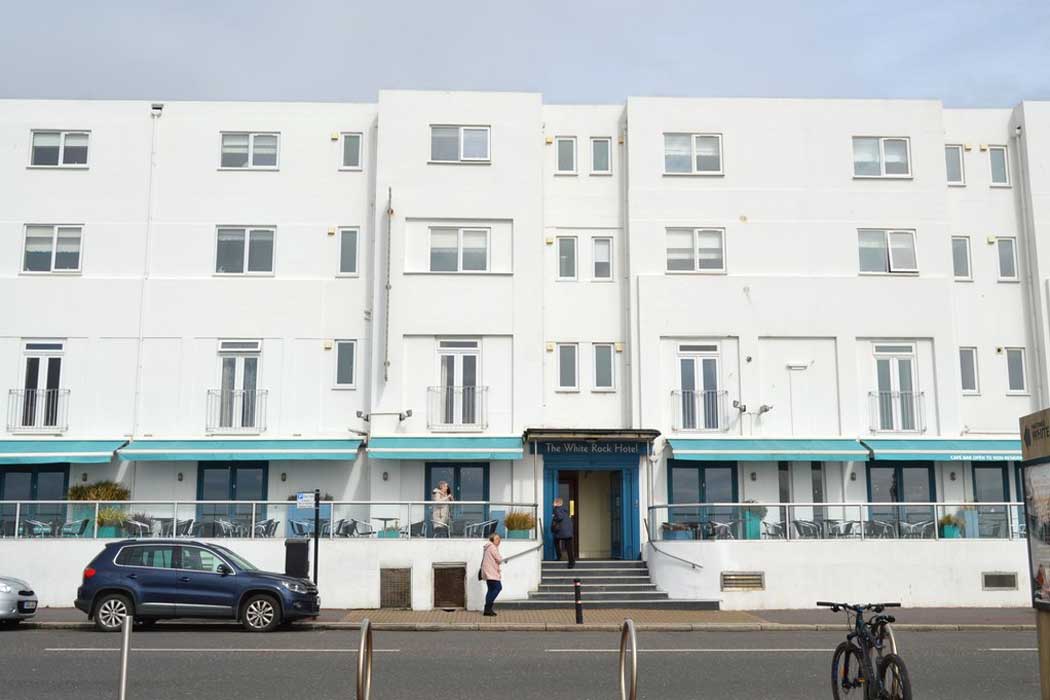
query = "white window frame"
x=247 y=251
x=976 y=390
x=460 y=230
x=696 y=352
x=969 y=260
x=251 y=150
x=575 y=258
x=1006 y=164
x=962 y=164
x=462 y=158
x=557 y=155
x=608 y=142
x=895 y=352
x=998 y=259
x=1024 y=371
x=893 y=270
x=575 y=388
x=357 y=251
x=335 y=382
x=342 y=150
x=62 y=134
x=594 y=258
x=612 y=368
x=697 y=270
x=882 y=158
x=693 y=172
x=54 y=251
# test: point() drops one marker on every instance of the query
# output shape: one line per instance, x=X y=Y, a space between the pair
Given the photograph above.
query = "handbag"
x=555 y=526
x=480 y=577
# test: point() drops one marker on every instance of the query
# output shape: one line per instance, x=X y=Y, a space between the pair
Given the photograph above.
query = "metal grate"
x=999 y=581
x=450 y=586
x=743 y=581
x=395 y=588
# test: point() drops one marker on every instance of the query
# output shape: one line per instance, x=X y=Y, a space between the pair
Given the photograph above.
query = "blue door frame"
x=627 y=465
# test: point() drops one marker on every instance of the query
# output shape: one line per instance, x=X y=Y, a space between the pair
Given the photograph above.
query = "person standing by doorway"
x=562 y=530
x=491 y=561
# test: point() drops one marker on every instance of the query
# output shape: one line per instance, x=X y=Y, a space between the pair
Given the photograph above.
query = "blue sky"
x=964 y=52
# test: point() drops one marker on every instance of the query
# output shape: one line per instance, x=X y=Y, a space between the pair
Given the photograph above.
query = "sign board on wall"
x=591 y=447
x=304 y=499
x=1035 y=447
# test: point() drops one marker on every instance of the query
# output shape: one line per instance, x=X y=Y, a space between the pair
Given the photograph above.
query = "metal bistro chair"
x=299 y=528
x=38 y=528
x=76 y=528
x=359 y=528
x=482 y=529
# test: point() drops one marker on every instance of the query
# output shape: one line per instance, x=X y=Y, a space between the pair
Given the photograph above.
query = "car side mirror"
x=224 y=570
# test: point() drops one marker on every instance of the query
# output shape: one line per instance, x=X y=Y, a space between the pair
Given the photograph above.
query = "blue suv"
x=165 y=579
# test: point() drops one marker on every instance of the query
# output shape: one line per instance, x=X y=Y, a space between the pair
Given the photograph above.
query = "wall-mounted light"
x=331 y=231
x=335 y=136
x=951 y=476
x=284 y=476
x=386 y=476
x=83 y=477
x=853 y=476
x=754 y=476
x=327 y=345
x=765 y=408
x=178 y=477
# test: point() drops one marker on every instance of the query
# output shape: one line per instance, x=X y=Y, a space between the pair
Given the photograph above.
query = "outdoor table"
x=386 y=520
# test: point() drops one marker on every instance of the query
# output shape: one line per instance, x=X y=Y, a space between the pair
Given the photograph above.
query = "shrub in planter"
x=519 y=524
x=111 y=522
x=950 y=526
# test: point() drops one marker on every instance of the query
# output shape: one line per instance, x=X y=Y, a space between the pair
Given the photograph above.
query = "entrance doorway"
x=594 y=499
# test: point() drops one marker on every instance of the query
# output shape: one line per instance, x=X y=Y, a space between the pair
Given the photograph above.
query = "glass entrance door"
x=41 y=385
x=991 y=484
x=239 y=382
x=896 y=485
x=569 y=493
x=244 y=481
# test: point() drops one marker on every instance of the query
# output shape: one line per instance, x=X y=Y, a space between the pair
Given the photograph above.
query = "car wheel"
x=111 y=611
x=260 y=613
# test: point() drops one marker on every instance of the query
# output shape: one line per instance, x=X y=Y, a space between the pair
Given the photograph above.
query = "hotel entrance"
x=594 y=499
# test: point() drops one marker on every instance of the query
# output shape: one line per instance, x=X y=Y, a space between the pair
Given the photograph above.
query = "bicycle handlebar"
x=877 y=607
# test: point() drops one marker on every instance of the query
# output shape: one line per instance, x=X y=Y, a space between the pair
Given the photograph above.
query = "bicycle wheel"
x=847 y=672
x=895 y=682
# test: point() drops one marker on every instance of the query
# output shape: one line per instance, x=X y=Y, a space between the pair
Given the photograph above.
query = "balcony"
x=38 y=411
x=457 y=408
x=236 y=411
x=700 y=411
x=897 y=411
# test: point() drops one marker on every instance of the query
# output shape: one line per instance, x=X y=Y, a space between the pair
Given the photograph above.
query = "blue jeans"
x=494 y=588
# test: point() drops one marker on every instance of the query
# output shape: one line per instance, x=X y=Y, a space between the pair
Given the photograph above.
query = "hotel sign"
x=597 y=448
x=1035 y=436
x=1035 y=447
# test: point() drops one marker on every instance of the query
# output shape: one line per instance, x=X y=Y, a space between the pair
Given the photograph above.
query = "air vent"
x=999 y=581
x=743 y=581
x=395 y=588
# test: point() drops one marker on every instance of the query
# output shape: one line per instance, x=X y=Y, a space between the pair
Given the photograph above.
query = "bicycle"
x=868 y=661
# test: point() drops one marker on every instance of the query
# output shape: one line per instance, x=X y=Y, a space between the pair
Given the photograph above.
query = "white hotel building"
x=833 y=311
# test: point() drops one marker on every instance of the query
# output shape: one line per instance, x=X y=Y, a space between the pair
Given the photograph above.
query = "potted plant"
x=105 y=490
x=519 y=524
x=111 y=521
x=753 y=517
x=950 y=525
x=676 y=531
x=390 y=532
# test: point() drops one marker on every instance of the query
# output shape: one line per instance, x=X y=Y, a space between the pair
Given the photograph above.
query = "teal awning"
x=760 y=450
x=971 y=450
x=463 y=448
x=48 y=451
x=235 y=450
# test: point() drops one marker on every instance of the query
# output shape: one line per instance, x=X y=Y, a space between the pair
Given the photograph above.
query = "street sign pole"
x=317 y=528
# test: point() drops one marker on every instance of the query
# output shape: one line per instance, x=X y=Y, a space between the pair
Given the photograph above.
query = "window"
x=897 y=402
x=961 y=257
x=568 y=367
x=251 y=151
x=345 y=352
x=894 y=483
x=953 y=163
x=999 y=163
x=693 y=154
x=601 y=156
x=695 y=250
x=887 y=251
x=1007 y=259
x=1015 y=371
x=566 y=258
x=968 y=369
x=881 y=157
x=197 y=559
x=457 y=393
x=459 y=249
x=41 y=403
x=52 y=248
x=238 y=404
x=566 y=147
x=701 y=402
x=468 y=482
x=59 y=149
x=348 y=251
x=458 y=144
x=604 y=374
x=46 y=482
x=603 y=258
x=240 y=251
x=157 y=556
x=351 y=151
x=230 y=481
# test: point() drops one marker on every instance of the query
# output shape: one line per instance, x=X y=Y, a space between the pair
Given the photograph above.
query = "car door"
x=203 y=591
x=148 y=570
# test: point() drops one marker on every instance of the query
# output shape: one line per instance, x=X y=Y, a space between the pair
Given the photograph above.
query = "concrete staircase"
x=606 y=584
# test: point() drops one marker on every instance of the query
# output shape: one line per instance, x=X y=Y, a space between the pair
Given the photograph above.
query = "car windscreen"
x=238 y=560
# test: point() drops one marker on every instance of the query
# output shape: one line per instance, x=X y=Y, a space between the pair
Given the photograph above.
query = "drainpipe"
x=1032 y=283
x=387 y=286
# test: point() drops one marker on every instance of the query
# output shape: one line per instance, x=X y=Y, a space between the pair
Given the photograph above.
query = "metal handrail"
x=652 y=543
x=838 y=504
x=539 y=545
x=364 y=661
x=627 y=634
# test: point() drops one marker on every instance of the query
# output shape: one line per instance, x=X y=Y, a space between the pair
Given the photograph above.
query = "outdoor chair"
x=141 y=529
x=773 y=531
x=806 y=529
x=360 y=528
x=439 y=529
x=417 y=529
x=184 y=528
x=75 y=528
x=37 y=528
x=482 y=529
x=345 y=528
x=262 y=528
x=300 y=528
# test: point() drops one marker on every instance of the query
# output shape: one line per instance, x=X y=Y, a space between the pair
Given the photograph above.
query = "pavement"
x=179 y=661
x=914 y=619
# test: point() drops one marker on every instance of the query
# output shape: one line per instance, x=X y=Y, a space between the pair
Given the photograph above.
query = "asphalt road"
x=224 y=663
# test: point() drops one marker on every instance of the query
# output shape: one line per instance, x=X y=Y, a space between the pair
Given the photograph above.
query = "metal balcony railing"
x=457 y=408
x=38 y=410
x=236 y=411
x=700 y=410
x=897 y=411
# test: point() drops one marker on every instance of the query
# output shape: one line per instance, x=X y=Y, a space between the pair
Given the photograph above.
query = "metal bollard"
x=627 y=635
x=364 y=661
x=578 y=589
x=125 y=650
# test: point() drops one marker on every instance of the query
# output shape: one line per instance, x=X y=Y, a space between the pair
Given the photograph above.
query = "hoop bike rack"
x=364 y=661
x=628 y=646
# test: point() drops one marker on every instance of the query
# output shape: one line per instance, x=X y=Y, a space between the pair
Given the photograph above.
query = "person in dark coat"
x=561 y=527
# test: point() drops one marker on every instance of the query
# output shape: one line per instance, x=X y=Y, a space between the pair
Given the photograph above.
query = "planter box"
x=110 y=531
x=949 y=532
x=519 y=534
x=389 y=534
x=752 y=526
